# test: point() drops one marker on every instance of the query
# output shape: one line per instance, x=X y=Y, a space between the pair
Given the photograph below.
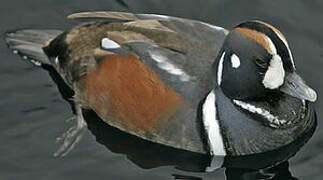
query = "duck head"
x=255 y=61
x=262 y=104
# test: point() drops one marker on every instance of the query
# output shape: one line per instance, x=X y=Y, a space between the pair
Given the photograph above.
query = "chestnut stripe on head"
x=282 y=37
x=280 y=42
x=274 y=76
x=259 y=37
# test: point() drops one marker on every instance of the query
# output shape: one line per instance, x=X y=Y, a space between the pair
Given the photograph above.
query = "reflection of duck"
x=151 y=76
x=144 y=153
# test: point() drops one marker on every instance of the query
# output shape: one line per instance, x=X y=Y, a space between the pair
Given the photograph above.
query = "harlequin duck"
x=179 y=82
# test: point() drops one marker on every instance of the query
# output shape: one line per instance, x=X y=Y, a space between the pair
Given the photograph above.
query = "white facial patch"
x=275 y=73
x=212 y=127
x=235 y=61
x=220 y=68
x=107 y=44
x=273 y=120
x=163 y=63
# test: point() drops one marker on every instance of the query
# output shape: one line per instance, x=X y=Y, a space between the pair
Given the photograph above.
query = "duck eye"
x=235 y=61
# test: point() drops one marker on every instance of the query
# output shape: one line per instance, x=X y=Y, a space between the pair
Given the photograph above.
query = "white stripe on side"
x=165 y=64
x=211 y=125
x=220 y=68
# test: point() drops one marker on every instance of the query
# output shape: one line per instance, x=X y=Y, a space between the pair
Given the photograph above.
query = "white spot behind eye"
x=107 y=43
x=275 y=74
x=235 y=61
x=220 y=68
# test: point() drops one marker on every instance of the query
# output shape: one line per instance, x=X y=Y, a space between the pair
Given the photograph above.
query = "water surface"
x=33 y=111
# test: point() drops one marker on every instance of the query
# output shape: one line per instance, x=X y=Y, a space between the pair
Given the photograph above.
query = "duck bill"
x=295 y=86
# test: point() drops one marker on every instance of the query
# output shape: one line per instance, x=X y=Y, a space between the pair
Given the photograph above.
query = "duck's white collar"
x=273 y=120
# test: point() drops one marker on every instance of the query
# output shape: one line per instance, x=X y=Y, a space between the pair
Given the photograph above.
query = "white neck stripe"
x=211 y=125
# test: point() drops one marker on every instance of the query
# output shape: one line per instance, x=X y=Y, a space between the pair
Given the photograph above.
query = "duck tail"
x=29 y=43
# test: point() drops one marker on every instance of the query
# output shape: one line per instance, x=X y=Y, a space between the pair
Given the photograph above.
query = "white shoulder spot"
x=235 y=61
x=107 y=43
x=275 y=74
x=220 y=68
x=212 y=127
x=163 y=63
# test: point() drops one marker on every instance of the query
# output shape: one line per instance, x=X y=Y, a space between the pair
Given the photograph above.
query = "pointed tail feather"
x=29 y=43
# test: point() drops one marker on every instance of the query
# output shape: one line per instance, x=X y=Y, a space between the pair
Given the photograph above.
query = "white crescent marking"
x=212 y=127
x=164 y=64
x=220 y=68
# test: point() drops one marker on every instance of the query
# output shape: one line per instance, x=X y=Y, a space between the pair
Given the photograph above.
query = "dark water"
x=32 y=109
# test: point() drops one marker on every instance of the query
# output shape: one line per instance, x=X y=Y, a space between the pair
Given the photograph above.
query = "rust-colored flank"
x=129 y=92
x=256 y=36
